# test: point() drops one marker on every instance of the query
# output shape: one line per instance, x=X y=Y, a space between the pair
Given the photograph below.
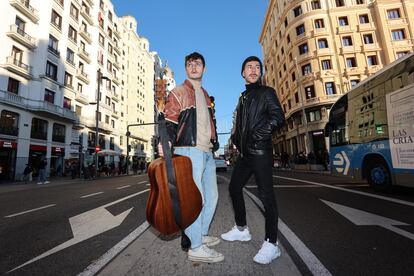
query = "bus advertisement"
x=371 y=128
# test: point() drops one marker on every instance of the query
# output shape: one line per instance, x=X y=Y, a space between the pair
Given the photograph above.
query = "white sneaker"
x=46 y=182
x=236 y=235
x=39 y=183
x=205 y=254
x=210 y=240
x=267 y=253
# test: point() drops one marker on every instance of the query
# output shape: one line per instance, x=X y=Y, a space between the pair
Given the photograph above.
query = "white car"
x=221 y=164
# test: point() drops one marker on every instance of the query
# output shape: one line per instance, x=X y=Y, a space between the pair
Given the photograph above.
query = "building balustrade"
x=18 y=67
x=87 y=36
x=80 y=74
x=24 y=7
x=85 y=13
x=19 y=35
x=85 y=55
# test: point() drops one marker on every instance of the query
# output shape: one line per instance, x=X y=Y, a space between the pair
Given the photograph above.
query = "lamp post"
x=100 y=78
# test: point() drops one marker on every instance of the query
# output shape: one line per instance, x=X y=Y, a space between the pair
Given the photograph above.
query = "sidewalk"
x=149 y=255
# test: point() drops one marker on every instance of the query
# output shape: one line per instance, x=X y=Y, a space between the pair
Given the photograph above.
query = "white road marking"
x=97 y=265
x=350 y=191
x=29 y=211
x=142 y=182
x=94 y=194
x=87 y=225
x=310 y=260
x=310 y=186
x=123 y=187
x=359 y=217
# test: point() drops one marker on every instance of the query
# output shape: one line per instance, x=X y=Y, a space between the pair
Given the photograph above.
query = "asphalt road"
x=325 y=222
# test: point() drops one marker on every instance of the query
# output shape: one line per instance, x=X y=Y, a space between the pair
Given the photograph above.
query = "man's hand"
x=160 y=151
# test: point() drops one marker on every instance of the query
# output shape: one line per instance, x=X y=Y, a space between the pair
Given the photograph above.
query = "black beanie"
x=252 y=58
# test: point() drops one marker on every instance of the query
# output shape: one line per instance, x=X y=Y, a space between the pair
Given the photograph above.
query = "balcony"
x=372 y=69
x=90 y=2
x=117 y=49
x=84 y=55
x=352 y=71
x=87 y=36
x=18 y=67
x=370 y=47
x=36 y=105
x=115 y=96
x=117 y=33
x=85 y=13
x=365 y=27
x=404 y=43
x=397 y=21
x=319 y=31
x=347 y=49
x=116 y=80
x=82 y=98
x=344 y=29
x=24 y=7
x=20 y=36
x=115 y=114
x=82 y=76
x=117 y=64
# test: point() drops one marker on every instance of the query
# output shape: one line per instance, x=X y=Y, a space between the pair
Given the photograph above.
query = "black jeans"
x=261 y=167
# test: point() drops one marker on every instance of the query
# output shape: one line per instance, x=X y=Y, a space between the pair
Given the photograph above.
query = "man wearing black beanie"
x=258 y=114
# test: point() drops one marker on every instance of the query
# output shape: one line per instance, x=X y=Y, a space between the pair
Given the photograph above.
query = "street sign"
x=97 y=148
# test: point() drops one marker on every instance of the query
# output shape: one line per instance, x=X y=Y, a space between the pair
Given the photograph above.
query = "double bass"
x=175 y=201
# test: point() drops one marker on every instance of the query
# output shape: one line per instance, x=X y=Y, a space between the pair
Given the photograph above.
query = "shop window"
x=58 y=134
x=39 y=129
x=9 y=123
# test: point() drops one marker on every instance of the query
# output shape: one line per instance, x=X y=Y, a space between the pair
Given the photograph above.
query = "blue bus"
x=371 y=128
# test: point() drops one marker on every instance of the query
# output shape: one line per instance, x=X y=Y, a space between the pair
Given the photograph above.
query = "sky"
x=225 y=32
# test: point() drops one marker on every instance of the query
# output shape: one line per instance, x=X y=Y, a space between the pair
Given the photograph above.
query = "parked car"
x=221 y=164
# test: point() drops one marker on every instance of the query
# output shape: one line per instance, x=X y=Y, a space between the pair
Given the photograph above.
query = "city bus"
x=371 y=128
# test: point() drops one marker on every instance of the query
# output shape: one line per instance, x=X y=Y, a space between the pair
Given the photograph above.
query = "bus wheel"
x=379 y=176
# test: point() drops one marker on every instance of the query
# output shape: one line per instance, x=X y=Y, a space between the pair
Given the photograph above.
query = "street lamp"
x=100 y=78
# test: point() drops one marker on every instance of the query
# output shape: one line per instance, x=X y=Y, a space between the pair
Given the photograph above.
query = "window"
x=51 y=70
x=49 y=96
x=58 y=133
x=110 y=49
x=107 y=119
x=330 y=88
x=303 y=48
x=343 y=21
x=110 y=16
x=109 y=66
x=53 y=45
x=340 y=3
x=288 y=38
x=393 y=14
x=363 y=19
x=74 y=12
x=109 y=32
x=306 y=69
x=80 y=88
x=39 y=129
x=286 y=22
x=322 y=43
x=21 y=25
x=354 y=83
x=70 y=56
x=401 y=54
x=296 y=97
x=289 y=104
x=112 y=139
x=68 y=82
x=293 y=76
x=360 y=2
x=398 y=34
x=316 y=5
x=319 y=23
x=368 y=39
x=108 y=100
x=372 y=60
x=113 y=123
x=101 y=4
x=346 y=41
x=351 y=62
x=78 y=110
x=9 y=123
x=297 y=11
x=314 y=116
x=73 y=34
x=56 y=20
x=310 y=92
x=67 y=103
x=13 y=86
x=300 y=29
x=326 y=64
x=101 y=40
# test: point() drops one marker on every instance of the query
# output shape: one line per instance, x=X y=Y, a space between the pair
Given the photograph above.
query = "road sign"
x=97 y=148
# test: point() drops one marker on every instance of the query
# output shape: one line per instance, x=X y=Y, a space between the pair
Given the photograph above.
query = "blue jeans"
x=204 y=175
x=42 y=175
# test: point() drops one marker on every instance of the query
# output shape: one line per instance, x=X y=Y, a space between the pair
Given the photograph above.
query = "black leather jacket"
x=258 y=114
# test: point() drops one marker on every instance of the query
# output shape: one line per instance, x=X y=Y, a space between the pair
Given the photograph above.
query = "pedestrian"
x=27 y=173
x=192 y=132
x=42 y=172
x=258 y=114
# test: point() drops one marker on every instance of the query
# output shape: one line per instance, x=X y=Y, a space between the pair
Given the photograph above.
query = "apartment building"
x=316 y=50
x=138 y=92
x=54 y=53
